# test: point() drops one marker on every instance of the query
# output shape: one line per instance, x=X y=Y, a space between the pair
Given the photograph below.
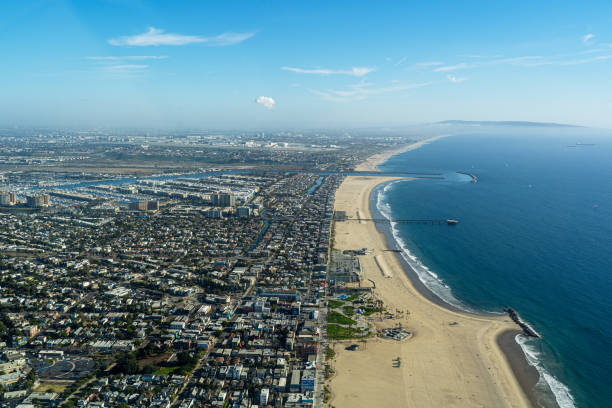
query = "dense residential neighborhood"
x=173 y=308
x=170 y=287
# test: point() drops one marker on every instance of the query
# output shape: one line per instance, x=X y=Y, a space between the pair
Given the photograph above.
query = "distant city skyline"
x=239 y=64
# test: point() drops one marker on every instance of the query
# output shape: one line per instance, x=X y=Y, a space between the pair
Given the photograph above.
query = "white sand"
x=382 y=265
x=443 y=365
x=371 y=163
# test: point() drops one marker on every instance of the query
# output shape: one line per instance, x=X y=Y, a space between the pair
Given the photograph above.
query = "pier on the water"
x=473 y=176
x=340 y=216
x=399 y=221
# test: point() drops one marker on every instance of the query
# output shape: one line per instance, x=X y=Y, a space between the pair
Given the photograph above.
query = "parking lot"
x=69 y=369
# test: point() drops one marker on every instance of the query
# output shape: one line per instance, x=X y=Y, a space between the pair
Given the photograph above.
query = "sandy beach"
x=453 y=359
x=371 y=163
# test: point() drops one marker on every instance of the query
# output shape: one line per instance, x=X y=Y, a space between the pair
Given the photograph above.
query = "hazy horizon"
x=240 y=65
x=415 y=129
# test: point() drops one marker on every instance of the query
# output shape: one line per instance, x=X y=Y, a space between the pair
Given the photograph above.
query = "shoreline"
x=526 y=374
x=371 y=163
x=391 y=243
x=511 y=379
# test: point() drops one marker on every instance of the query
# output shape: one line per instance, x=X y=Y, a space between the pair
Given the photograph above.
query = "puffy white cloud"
x=154 y=37
x=266 y=101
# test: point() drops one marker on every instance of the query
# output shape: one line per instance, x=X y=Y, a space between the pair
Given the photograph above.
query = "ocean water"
x=534 y=233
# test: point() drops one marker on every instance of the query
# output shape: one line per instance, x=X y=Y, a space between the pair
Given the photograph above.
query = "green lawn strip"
x=165 y=370
x=333 y=304
x=339 y=318
x=336 y=332
x=348 y=310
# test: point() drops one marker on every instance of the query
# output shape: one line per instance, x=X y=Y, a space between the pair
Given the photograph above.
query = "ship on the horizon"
x=452 y=222
x=578 y=144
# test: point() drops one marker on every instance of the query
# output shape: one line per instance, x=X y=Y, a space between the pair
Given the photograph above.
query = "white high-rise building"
x=264 y=394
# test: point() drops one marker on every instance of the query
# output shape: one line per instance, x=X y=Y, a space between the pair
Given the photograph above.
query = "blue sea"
x=534 y=234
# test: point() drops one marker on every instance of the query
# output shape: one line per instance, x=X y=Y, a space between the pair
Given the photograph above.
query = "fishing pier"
x=343 y=218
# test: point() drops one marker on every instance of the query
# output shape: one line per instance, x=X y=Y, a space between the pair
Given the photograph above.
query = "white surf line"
x=560 y=391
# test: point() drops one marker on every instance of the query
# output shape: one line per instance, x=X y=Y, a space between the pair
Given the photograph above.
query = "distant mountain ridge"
x=502 y=123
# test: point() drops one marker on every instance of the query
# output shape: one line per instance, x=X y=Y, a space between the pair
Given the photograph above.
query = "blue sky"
x=265 y=64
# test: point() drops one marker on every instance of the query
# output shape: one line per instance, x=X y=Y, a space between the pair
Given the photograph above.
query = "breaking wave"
x=428 y=277
x=547 y=382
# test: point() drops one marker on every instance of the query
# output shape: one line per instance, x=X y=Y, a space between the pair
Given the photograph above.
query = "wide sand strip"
x=382 y=265
x=452 y=359
x=371 y=163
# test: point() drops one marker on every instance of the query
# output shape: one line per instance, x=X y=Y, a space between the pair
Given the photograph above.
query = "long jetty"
x=527 y=329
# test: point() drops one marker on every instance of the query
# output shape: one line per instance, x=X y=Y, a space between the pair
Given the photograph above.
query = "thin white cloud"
x=428 y=64
x=355 y=71
x=587 y=38
x=589 y=51
x=127 y=67
x=587 y=60
x=475 y=56
x=401 y=61
x=532 y=61
x=266 y=101
x=446 y=68
x=156 y=37
x=128 y=57
x=521 y=61
x=361 y=91
x=454 y=79
x=559 y=60
x=329 y=96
